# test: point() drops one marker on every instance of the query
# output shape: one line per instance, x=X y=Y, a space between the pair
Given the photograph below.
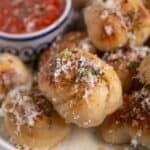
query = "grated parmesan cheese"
x=22 y=107
x=109 y=4
x=144 y=94
x=134 y=142
x=108 y=30
x=85 y=71
x=104 y=14
x=86 y=45
x=133 y=54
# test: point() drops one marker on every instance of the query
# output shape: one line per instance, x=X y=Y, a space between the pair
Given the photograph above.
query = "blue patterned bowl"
x=27 y=45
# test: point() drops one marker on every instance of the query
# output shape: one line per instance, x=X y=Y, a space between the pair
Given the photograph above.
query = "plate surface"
x=79 y=139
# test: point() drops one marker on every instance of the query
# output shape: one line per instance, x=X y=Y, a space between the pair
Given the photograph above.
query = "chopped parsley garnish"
x=132 y=15
x=95 y=72
x=66 y=53
x=82 y=74
x=133 y=64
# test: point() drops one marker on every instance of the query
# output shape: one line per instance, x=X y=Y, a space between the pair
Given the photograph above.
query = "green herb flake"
x=134 y=64
x=133 y=15
x=66 y=53
x=80 y=75
x=95 y=72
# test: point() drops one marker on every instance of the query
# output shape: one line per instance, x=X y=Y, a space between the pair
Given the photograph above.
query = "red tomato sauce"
x=27 y=16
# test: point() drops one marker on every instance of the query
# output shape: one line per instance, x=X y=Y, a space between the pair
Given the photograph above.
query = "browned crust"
x=69 y=40
x=135 y=112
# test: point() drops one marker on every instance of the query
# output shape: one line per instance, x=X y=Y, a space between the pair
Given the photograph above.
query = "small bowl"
x=29 y=44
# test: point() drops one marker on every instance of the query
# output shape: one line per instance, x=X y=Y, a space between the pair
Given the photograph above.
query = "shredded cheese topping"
x=21 y=105
x=133 y=54
x=80 y=70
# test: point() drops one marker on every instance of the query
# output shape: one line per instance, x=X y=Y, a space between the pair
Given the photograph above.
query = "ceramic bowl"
x=27 y=45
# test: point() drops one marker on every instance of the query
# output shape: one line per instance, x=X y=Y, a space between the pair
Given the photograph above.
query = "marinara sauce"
x=27 y=16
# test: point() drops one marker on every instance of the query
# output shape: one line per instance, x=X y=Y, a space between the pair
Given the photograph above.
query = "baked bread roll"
x=147 y=3
x=82 y=88
x=69 y=40
x=30 y=120
x=144 y=71
x=112 y=24
x=80 y=3
x=126 y=62
x=131 y=123
x=12 y=73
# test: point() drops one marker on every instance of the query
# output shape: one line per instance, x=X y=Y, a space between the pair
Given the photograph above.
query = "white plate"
x=79 y=139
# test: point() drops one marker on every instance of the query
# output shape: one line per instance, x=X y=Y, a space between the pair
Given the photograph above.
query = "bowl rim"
x=43 y=32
